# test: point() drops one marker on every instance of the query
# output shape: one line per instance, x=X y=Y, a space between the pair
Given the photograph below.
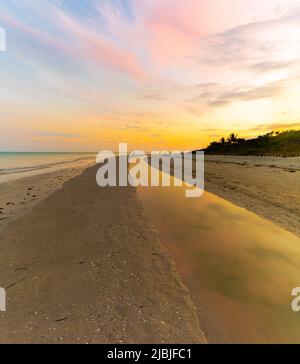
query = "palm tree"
x=222 y=140
x=232 y=138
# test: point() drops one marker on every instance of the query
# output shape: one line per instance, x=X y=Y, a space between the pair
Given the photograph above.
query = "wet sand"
x=268 y=186
x=239 y=268
x=85 y=265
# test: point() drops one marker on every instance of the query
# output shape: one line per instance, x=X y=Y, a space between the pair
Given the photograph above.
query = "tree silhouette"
x=222 y=140
x=232 y=138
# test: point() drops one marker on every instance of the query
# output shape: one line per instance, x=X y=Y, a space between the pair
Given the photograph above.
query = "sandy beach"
x=268 y=186
x=85 y=265
x=20 y=192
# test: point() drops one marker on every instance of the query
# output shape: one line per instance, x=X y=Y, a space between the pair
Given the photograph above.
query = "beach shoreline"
x=86 y=266
x=267 y=186
x=20 y=192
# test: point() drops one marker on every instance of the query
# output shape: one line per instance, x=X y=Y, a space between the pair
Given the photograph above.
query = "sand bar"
x=86 y=266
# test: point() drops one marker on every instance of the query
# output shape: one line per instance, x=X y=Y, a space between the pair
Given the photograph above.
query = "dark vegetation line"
x=283 y=144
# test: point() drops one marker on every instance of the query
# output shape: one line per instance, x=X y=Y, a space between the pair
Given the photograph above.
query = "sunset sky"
x=83 y=75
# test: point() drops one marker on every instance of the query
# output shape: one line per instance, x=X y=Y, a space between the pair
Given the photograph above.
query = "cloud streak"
x=59 y=135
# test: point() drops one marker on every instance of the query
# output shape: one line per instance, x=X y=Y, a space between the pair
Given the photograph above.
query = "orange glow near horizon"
x=165 y=74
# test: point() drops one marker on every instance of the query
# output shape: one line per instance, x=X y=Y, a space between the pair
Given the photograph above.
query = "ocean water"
x=20 y=162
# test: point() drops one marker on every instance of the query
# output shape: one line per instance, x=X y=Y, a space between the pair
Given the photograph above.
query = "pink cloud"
x=39 y=35
x=87 y=46
x=174 y=29
x=197 y=18
x=95 y=48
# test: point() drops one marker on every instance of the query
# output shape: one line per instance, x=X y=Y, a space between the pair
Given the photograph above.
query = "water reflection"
x=239 y=268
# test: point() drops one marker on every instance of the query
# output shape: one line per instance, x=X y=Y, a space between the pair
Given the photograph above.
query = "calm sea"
x=16 y=162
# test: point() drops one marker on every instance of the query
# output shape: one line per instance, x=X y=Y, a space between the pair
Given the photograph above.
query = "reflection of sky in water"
x=239 y=268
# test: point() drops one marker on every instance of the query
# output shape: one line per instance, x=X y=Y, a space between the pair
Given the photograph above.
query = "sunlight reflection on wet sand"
x=240 y=268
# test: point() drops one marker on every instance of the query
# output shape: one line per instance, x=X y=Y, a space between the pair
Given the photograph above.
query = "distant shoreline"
x=15 y=166
x=272 y=144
